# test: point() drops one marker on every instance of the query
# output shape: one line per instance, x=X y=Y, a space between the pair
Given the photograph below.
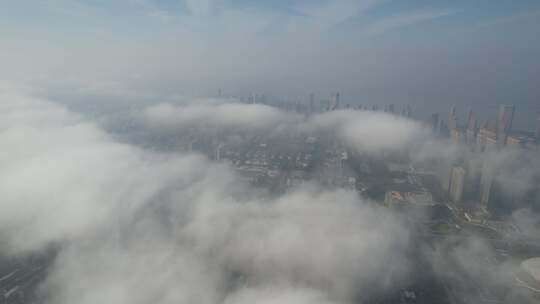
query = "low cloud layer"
x=134 y=226
x=305 y=246
x=217 y=115
x=370 y=132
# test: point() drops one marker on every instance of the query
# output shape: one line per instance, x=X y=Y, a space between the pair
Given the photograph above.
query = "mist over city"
x=274 y=152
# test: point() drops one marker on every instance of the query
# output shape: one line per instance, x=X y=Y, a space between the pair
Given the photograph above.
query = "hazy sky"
x=373 y=51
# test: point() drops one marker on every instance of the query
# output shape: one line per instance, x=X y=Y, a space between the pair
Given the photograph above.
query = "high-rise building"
x=452 y=118
x=504 y=123
x=457 y=183
x=217 y=155
x=486 y=137
x=457 y=135
x=469 y=115
x=435 y=122
x=486 y=183
x=472 y=128
x=323 y=105
x=335 y=102
x=452 y=112
x=443 y=128
x=506 y=116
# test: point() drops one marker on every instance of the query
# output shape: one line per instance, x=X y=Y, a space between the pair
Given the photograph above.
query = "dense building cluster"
x=476 y=183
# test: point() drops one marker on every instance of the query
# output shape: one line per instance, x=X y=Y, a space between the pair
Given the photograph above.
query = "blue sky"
x=373 y=51
x=125 y=17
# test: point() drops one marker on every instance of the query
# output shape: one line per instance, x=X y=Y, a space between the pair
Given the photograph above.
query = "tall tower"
x=335 y=105
x=472 y=128
x=504 y=123
x=506 y=115
x=452 y=118
x=486 y=184
x=435 y=122
x=457 y=182
x=217 y=155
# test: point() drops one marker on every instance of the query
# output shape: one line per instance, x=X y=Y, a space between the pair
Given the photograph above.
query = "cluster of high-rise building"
x=331 y=103
x=471 y=182
x=474 y=181
x=492 y=134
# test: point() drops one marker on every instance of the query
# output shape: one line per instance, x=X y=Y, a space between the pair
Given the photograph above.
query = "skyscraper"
x=457 y=135
x=435 y=122
x=457 y=183
x=335 y=102
x=217 y=155
x=322 y=105
x=452 y=111
x=504 y=123
x=506 y=115
x=472 y=128
x=486 y=183
x=452 y=118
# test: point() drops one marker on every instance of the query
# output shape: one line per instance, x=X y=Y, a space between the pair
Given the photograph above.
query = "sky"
x=427 y=53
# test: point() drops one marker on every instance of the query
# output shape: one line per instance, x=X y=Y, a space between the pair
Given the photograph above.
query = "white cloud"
x=389 y=23
x=200 y=8
x=220 y=115
x=327 y=14
x=364 y=131
x=77 y=175
x=370 y=131
x=141 y=227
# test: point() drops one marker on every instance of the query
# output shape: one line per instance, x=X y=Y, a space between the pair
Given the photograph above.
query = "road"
x=19 y=278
